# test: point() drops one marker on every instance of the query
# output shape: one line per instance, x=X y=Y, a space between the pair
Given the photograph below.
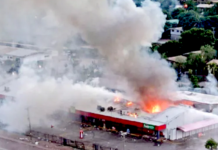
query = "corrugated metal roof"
x=141 y=119
x=214 y=61
x=198 y=125
x=195 y=97
x=170 y=114
x=178 y=59
x=21 y=52
x=193 y=52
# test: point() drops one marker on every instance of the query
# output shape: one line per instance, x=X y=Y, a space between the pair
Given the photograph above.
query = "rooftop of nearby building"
x=198 y=125
x=179 y=59
x=205 y=5
x=175 y=21
x=193 y=52
x=162 y=41
x=179 y=6
x=214 y=1
x=214 y=61
x=195 y=97
x=177 y=28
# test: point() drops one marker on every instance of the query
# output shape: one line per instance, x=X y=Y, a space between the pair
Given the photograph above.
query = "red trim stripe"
x=122 y=121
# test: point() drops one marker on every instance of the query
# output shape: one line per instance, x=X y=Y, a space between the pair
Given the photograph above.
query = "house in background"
x=206 y=1
x=175 y=33
x=173 y=22
x=203 y=7
x=192 y=52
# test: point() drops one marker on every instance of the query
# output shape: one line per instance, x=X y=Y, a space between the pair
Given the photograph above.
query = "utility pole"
x=167 y=127
x=28 y=117
x=124 y=138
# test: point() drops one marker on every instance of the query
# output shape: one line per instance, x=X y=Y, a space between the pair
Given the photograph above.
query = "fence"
x=67 y=142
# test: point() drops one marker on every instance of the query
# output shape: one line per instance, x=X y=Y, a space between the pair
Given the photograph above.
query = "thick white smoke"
x=43 y=97
x=211 y=85
x=118 y=29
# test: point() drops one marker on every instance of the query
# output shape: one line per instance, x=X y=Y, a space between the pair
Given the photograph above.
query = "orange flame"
x=129 y=104
x=156 y=109
x=117 y=99
x=133 y=115
x=155 y=105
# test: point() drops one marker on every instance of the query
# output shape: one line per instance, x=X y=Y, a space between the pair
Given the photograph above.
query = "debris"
x=24 y=139
x=36 y=143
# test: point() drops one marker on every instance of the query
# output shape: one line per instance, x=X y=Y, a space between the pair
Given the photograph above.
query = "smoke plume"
x=211 y=85
x=120 y=31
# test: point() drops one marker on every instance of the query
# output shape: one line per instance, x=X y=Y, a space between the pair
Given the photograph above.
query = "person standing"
x=128 y=131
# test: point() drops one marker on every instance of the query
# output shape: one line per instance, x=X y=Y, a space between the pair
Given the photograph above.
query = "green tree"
x=167 y=5
x=196 y=63
x=167 y=14
x=155 y=47
x=176 y=12
x=189 y=19
x=216 y=45
x=194 y=38
x=180 y=63
x=212 y=67
x=212 y=11
x=191 y=5
x=164 y=56
x=170 y=48
x=208 y=52
x=194 y=81
x=211 y=144
x=209 y=22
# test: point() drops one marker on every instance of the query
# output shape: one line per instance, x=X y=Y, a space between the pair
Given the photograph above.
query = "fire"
x=133 y=115
x=129 y=104
x=117 y=99
x=184 y=102
x=155 y=105
x=156 y=109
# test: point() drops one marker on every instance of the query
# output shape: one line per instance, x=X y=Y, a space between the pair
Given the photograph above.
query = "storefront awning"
x=198 y=125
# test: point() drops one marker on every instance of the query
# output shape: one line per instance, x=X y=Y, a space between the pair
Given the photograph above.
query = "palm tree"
x=211 y=144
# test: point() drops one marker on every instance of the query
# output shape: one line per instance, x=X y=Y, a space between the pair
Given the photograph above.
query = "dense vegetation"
x=200 y=30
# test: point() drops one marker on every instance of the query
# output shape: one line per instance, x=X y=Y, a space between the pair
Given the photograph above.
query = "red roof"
x=198 y=125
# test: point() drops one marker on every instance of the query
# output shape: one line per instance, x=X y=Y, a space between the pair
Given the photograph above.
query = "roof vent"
x=111 y=108
x=100 y=108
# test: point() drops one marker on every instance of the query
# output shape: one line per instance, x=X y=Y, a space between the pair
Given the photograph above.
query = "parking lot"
x=72 y=131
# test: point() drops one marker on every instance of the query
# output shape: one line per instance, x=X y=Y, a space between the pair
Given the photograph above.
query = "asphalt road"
x=10 y=145
x=71 y=131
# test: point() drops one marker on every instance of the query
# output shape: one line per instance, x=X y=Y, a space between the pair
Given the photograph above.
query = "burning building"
x=156 y=118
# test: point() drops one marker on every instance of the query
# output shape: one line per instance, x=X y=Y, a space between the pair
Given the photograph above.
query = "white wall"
x=175 y=34
x=187 y=117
